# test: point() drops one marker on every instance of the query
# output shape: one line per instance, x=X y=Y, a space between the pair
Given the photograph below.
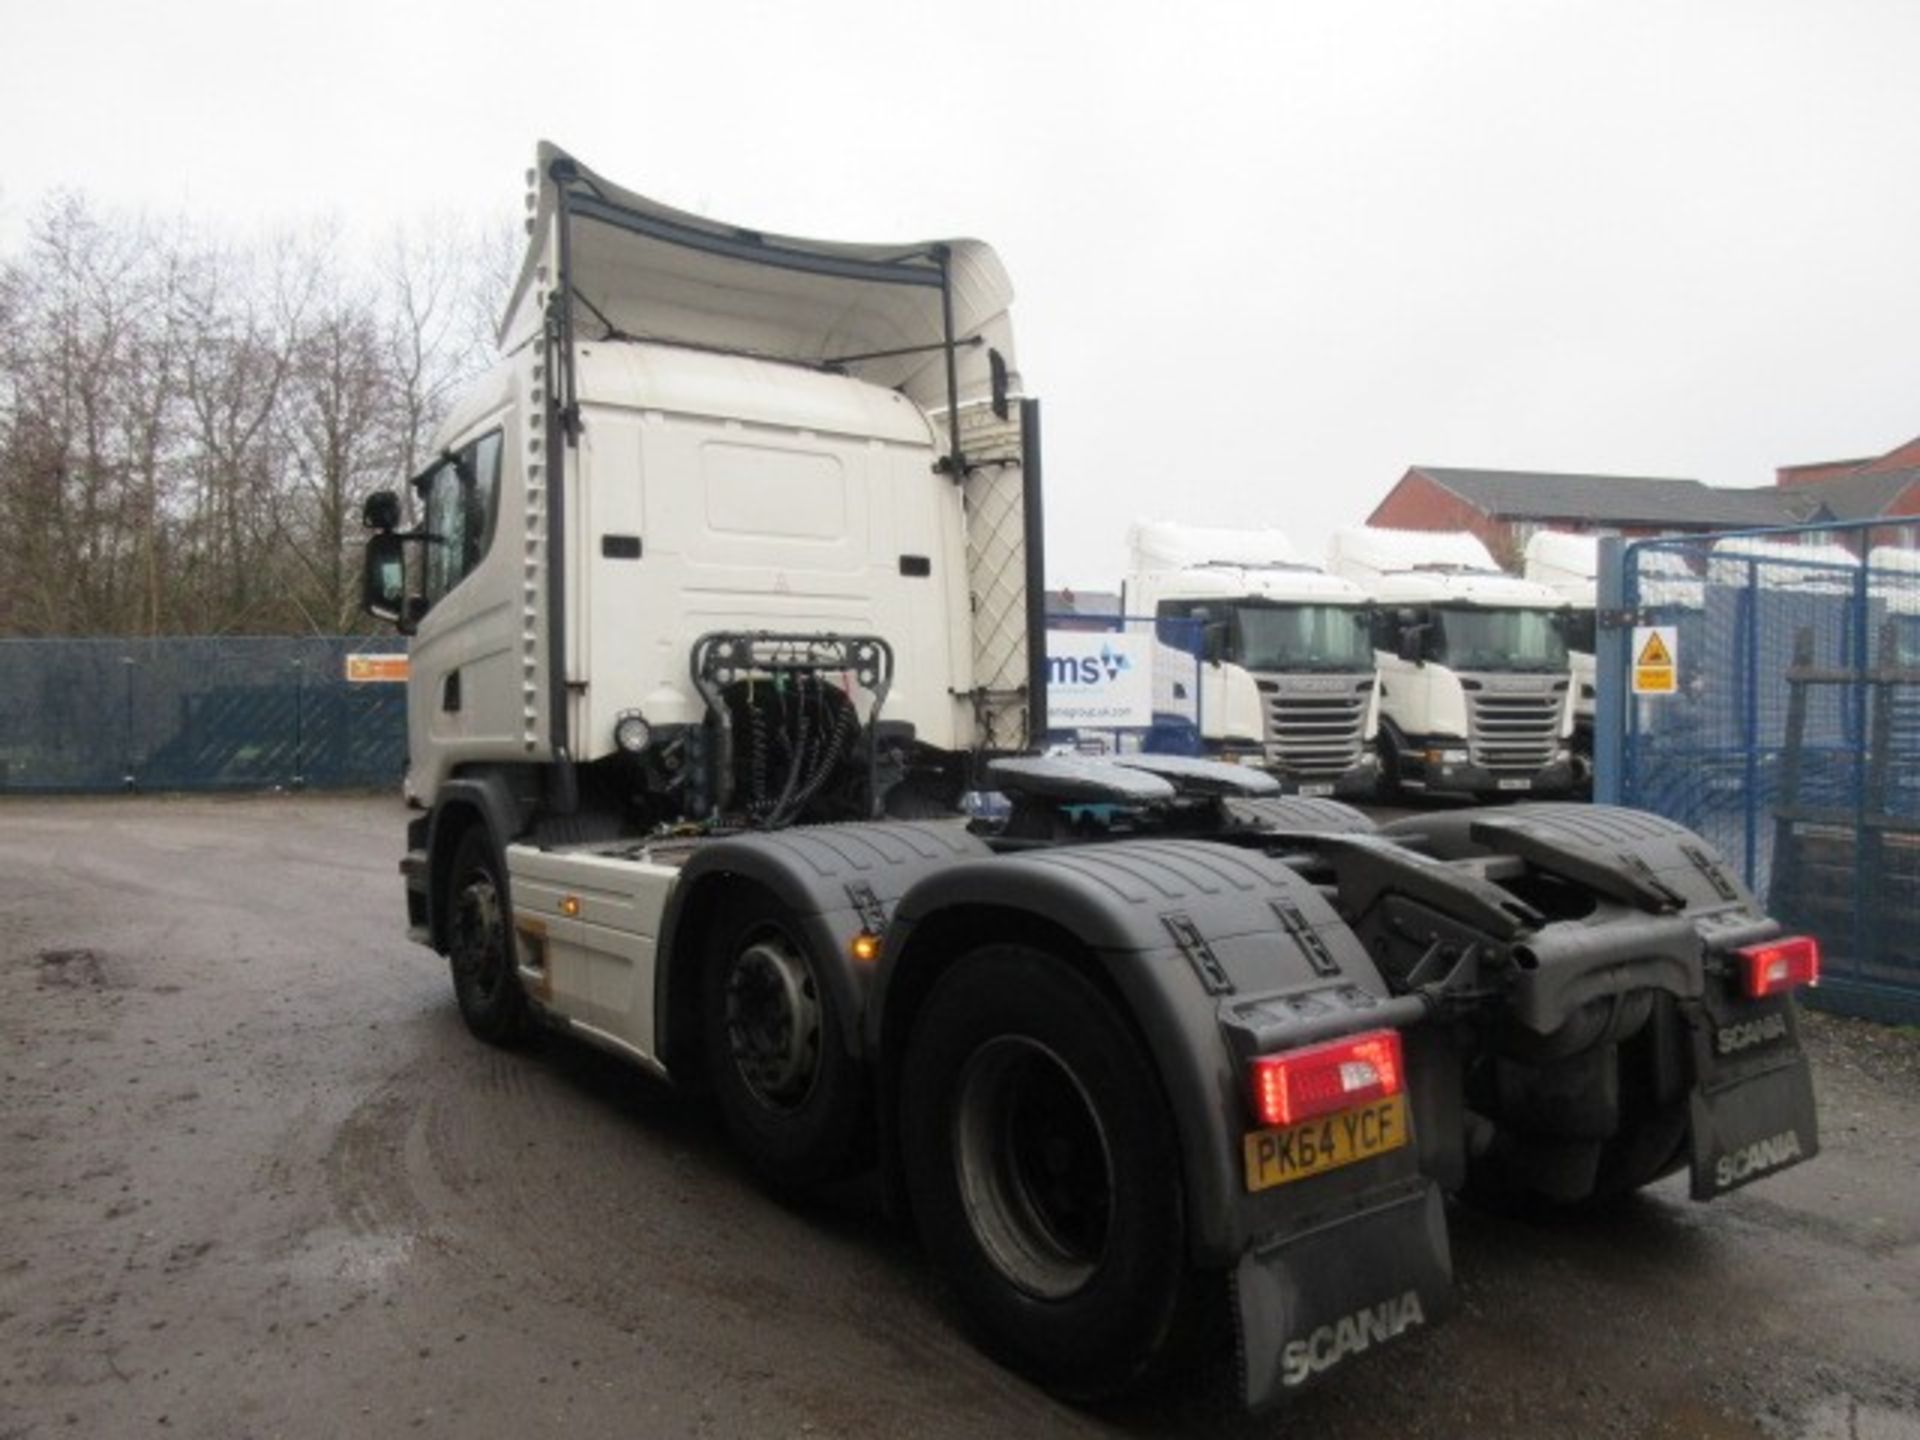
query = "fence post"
x=299 y=779
x=1750 y=740
x=127 y=779
x=1857 y=695
x=1610 y=689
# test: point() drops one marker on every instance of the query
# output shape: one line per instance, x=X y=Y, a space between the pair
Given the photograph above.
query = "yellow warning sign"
x=1656 y=665
x=376 y=669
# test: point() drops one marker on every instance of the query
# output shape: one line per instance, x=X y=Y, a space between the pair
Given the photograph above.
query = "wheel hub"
x=773 y=1022
x=478 y=932
x=1035 y=1171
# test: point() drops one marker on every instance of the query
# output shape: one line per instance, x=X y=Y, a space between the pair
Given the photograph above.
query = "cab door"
x=466 y=631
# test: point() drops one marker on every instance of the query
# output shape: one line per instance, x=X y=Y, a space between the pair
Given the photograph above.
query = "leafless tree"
x=189 y=424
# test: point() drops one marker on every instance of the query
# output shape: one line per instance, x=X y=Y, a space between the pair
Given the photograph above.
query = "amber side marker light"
x=866 y=947
x=1315 y=1080
x=570 y=905
x=1778 y=966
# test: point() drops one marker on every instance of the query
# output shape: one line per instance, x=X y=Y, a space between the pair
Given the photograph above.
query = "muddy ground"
x=255 y=1180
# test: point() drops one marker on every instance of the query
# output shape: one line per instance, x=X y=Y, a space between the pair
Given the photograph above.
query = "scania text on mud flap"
x=737 y=614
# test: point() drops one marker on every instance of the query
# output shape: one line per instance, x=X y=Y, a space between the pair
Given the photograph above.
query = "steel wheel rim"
x=773 y=1022
x=1034 y=1166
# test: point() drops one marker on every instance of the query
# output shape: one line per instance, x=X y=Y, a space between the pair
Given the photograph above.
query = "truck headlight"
x=632 y=733
x=1446 y=757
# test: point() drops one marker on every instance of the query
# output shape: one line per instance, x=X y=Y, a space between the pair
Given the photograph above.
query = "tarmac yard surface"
x=255 y=1180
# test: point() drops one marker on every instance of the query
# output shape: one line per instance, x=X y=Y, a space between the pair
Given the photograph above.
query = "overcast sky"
x=1267 y=255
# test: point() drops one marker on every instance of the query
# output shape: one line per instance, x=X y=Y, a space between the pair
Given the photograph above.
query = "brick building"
x=1885 y=486
x=1504 y=507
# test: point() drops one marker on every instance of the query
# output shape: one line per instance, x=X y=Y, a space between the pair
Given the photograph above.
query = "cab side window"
x=461 y=500
x=1386 y=628
x=1174 y=624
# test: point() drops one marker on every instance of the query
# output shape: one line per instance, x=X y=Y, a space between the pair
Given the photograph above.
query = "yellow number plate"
x=1325 y=1143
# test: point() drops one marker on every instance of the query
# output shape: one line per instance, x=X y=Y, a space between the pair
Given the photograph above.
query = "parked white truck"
x=735 y=553
x=1569 y=565
x=1474 y=674
x=1282 y=655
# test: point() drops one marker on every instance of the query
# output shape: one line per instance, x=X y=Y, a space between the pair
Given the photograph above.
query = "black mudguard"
x=486 y=794
x=1218 y=952
x=834 y=880
x=1669 y=911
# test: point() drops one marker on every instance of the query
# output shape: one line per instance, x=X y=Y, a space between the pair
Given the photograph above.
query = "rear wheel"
x=480 y=944
x=1043 y=1172
x=1588 y=1131
x=793 y=1098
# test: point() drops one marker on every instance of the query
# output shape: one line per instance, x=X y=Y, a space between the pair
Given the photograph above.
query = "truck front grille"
x=1317 y=736
x=1514 y=733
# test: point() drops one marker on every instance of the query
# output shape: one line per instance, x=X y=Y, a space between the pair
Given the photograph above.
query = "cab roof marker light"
x=1778 y=966
x=1297 y=1085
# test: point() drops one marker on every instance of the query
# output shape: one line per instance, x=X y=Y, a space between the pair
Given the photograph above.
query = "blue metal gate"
x=1790 y=734
x=199 y=713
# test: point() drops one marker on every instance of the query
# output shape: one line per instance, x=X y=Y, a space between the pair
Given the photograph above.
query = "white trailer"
x=1474 y=669
x=1285 y=666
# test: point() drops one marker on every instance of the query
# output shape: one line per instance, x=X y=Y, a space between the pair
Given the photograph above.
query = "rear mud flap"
x=1751 y=1113
x=1749 y=1129
x=1309 y=1303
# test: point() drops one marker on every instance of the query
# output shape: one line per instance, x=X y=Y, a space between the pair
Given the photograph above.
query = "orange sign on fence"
x=376 y=669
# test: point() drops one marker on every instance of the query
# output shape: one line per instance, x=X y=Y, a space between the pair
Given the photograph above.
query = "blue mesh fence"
x=1792 y=738
x=198 y=713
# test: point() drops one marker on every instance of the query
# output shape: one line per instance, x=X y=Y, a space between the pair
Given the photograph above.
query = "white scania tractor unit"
x=1285 y=665
x=1474 y=676
x=726 y=582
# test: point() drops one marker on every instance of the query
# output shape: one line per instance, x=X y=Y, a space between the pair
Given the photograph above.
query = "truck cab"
x=1475 y=678
x=1281 y=651
x=714 y=536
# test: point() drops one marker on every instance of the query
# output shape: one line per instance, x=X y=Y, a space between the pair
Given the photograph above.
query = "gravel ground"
x=255 y=1180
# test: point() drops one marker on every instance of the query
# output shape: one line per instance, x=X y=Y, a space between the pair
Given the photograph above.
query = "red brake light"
x=1779 y=966
x=1320 y=1079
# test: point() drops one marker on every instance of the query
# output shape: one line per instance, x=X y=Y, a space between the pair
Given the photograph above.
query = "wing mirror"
x=1411 y=643
x=381 y=511
x=1213 y=637
x=383 y=581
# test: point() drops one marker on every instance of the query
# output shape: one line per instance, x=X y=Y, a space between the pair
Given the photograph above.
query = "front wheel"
x=480 y=944
x=1043 y=1172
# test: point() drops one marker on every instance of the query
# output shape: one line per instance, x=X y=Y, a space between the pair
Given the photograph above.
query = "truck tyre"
x=480 y=944
x=1041 y=1164
x=1507 y=1180
x=793 y=1099
x=1539 y=1171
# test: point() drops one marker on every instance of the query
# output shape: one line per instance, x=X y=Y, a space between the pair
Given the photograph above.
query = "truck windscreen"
x=1475 y=638
x=1278 y=638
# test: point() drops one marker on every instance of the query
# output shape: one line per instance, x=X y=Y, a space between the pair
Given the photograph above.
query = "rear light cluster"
x=1778 y=966
x=1321 y=1079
